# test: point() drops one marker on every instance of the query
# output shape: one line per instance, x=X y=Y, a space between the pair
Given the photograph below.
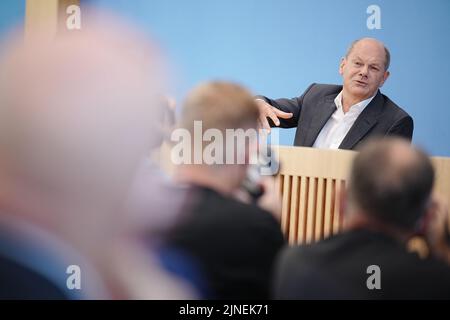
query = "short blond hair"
x=219 y=105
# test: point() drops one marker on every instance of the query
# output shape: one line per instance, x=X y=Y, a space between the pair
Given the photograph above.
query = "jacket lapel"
x=321 y=114
x=365 y=121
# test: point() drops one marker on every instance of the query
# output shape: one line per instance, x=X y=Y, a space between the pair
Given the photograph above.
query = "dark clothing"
x=337 y=268
x=26 y=268
x=20 y=282
x=314 y=107
x=233 y=243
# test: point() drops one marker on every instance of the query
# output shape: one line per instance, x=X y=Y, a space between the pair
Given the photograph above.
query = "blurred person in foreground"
x=76 y=118
x=389 y=200
x=229 y=245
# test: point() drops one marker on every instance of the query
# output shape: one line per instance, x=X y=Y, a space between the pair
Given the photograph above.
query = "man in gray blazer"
x=343 y=116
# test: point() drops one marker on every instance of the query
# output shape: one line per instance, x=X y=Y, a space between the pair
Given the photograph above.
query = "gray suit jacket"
x=314 y=107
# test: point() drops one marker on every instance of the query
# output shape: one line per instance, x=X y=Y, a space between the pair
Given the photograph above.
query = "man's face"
x=363 y=71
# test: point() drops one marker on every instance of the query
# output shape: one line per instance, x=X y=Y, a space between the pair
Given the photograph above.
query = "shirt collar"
x=356 y=108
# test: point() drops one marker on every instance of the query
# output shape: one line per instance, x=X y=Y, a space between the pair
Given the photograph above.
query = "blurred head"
x=364 y=68
x=76 y=117
x=219 y=105
x=391 y=182
x=227 y=110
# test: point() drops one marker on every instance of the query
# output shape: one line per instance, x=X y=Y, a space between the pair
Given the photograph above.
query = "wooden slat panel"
x=285 y=206
x=311 y=213
x=333 y=167
x=41 y=17
x=293 y=216
x=329 y=207
x=279 y=188
x=319 y=163
x=442 y=181
x=337 y=204
x=301 y=230
x=46 y=17
x=341 y=214
x=320 y=206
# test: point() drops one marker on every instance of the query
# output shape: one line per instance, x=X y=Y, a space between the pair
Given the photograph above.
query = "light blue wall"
x=278 y=47
x=12 y=13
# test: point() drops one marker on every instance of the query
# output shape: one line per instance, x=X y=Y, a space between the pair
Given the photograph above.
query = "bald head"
x=372 y=45
x=391 y=181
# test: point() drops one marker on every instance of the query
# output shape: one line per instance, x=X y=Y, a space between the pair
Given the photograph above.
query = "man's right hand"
x=267 y=111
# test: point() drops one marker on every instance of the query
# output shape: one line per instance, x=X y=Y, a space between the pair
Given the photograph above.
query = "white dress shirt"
x=339 y=124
